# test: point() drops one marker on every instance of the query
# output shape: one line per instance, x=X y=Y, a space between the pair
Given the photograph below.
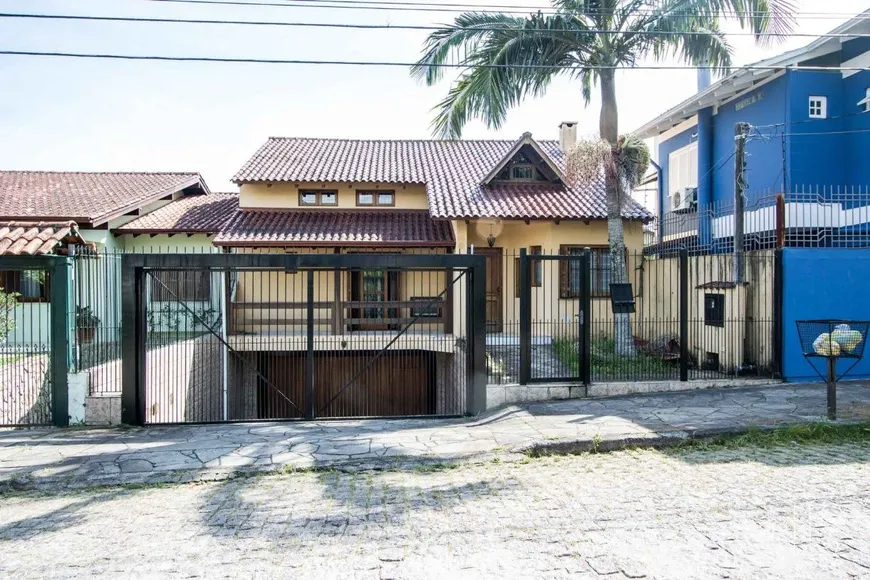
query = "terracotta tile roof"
x=36 y=238
x=191 y=214
x=451 y=170
x=335 y=227
x=84 y=197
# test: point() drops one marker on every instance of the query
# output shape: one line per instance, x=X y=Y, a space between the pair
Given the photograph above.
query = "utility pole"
x=741 y=132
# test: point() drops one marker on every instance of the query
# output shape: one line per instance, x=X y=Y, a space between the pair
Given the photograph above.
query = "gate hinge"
x=581 y=317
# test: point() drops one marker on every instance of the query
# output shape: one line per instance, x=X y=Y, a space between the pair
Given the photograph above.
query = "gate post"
x=309 y=359
x=525 y=318
x=585 y=330
x=684 y=314
x=59 y=274
x=133 y=337
x=778 y=287
x=475 y=332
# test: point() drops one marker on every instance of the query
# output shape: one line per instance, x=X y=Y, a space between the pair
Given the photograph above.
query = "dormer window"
x=522 y=172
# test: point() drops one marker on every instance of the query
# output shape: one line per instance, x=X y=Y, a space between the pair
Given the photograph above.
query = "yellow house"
x=490 y=197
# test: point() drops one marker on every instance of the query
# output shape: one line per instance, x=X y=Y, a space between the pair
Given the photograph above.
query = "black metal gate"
x=34 y=333
x=554 y=328
x=244 y=337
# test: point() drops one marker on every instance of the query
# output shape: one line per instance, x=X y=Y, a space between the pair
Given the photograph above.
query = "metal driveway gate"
x=554 y=328
x=34 y=334
x=244 y=337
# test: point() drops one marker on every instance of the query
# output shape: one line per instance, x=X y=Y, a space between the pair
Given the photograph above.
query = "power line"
x=215 y=59
x=845 y=132
x=435 y=7
x=151 y=20
x=523 y=9
x=812 y=120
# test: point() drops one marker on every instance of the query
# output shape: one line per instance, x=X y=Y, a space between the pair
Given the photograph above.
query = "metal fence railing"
x=803 y=217
x=33 y=339
x=693 y=317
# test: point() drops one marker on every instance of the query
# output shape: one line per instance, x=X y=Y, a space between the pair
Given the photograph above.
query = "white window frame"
x=866 y=100
x=682 y=170
x=818 y=107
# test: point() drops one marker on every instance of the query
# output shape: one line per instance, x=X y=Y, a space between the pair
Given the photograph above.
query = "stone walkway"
x=53 y=458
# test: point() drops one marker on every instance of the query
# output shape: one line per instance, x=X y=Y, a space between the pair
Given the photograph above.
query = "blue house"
x=809 y=137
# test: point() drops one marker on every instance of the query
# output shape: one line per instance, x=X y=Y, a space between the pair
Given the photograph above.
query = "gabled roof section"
x=36 y=238
x=744 y=79
x=525 y=142
x=454 y=173
x=87 y=198
x=203 y=214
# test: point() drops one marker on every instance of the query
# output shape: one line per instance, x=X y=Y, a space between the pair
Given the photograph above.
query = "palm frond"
x=503 y=66
x=467 y=32
x=686 y=29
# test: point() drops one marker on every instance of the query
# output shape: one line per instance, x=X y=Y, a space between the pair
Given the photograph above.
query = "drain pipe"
x=660 y=198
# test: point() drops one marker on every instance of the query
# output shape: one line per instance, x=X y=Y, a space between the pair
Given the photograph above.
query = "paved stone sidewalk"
x=79 y=457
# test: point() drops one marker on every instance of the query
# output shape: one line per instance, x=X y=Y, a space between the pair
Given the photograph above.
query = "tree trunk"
x=614 y=190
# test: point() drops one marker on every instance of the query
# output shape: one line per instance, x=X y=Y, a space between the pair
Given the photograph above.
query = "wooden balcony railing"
x=343 y=315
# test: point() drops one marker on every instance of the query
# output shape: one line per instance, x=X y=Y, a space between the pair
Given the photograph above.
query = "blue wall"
x=821 y=154
x=815 y=159
x=822 y=283
x=763 y=157
x=855 y=144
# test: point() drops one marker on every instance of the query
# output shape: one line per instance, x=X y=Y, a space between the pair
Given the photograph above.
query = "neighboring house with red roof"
x=65 y=211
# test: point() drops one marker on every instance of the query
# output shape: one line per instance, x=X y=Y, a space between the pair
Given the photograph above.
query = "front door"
x=494 y=320
x=374 y=288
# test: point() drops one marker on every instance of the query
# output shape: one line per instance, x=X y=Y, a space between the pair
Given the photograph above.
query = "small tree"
x=624 y=164
x=8 y=301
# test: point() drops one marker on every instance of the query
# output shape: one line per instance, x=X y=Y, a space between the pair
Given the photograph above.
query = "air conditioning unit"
x=685 y=200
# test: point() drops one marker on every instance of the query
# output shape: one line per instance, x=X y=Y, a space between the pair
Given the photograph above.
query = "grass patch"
x=607 y=365
x=811 y=434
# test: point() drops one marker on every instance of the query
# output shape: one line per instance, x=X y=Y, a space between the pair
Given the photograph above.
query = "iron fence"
x=803 y=217
x=96 y=312
x=693 y=317
x=240 y=337
x=33 y=340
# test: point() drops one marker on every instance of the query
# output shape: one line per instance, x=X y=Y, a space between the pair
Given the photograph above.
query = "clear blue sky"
x=63 y=114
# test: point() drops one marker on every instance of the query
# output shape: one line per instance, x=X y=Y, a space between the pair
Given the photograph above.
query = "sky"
x=97 y=115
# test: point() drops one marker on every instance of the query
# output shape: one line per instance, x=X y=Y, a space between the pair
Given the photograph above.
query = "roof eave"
x=116 y=213
x=789 y=60
x=332 y=244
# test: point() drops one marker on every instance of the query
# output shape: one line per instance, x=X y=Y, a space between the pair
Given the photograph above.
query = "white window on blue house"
x=865 y=102
x=818 y=107
x=682 y=176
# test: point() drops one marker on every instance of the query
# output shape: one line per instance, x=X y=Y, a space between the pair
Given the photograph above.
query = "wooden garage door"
x=398 y=383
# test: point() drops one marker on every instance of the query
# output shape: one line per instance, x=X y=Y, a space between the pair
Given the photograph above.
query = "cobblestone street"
x=786 y=512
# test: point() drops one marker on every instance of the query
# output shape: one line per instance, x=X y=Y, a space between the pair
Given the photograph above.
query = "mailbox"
x=622 y=298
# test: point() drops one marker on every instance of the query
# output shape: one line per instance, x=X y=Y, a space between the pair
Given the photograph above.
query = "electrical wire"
x=425 y=7
x=811 y=120
x=484 y=8
x=216 y=59
x=148 y=19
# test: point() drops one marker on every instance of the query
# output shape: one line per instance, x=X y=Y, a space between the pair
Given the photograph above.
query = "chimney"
x=703 y=77
x=567 y=135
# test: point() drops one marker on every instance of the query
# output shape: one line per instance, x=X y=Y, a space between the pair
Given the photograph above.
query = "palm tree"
x=508 y=58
